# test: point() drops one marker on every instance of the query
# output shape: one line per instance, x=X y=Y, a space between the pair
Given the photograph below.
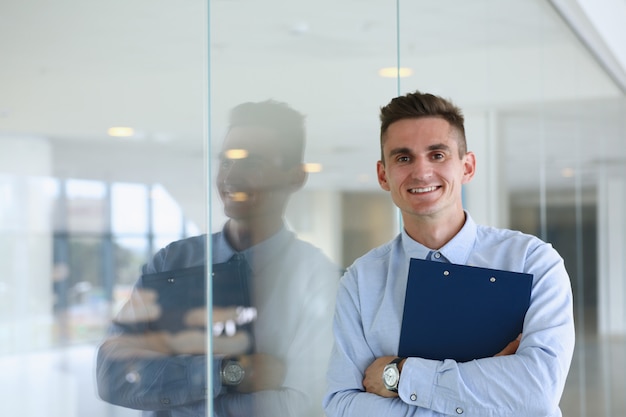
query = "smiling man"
x=424 y=164
x=425 y=177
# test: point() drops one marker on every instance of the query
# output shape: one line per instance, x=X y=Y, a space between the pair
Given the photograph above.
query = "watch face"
x=390 y=376
x=233 y=373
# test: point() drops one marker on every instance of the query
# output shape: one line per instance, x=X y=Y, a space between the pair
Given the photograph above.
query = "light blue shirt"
x=294 y=286
x=294 y=292
x=368 y=316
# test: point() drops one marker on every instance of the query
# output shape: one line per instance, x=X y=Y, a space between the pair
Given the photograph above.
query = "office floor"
x=596 y=385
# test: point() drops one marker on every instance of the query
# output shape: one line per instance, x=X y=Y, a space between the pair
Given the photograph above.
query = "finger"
x=147 y=295
x=511 y=348
x=137 y=312
x=189 y=342
x=222 y=314
x=196 y=317
x=237 y=344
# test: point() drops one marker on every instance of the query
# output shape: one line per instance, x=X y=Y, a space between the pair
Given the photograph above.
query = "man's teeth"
x=422 y=190
x=238 y=196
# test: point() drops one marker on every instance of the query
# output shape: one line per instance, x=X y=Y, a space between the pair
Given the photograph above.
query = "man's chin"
x=238 y=212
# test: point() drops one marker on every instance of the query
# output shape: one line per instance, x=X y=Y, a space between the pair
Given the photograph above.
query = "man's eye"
x=402 y=159
x=438 y=156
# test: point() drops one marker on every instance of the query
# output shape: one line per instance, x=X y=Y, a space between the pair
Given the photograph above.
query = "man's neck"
x=434 y=233
x=243 y=234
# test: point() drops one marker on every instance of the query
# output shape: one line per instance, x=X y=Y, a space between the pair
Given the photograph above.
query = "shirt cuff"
x=417 y=381
x=197 y=380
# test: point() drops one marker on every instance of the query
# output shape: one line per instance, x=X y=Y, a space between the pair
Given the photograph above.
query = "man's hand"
x=141 y=307
x=227 y=338
x=373 y=381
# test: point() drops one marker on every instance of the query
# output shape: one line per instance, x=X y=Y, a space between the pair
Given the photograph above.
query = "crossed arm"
x=142 y=368
x=527 y=383
x=373 y=381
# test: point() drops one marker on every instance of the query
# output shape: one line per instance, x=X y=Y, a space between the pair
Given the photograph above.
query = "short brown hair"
x=416 y=105
x=284 y=120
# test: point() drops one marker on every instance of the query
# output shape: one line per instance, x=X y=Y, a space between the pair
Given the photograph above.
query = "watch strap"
x=396 y=361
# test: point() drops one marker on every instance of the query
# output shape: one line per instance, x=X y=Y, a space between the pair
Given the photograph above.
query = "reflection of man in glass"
x=272 y=295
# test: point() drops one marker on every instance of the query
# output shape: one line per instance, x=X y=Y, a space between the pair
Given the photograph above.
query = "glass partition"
x=122 y=130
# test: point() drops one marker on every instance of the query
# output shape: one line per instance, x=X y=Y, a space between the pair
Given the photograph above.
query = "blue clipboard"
x=180 y=290
x=461 y=312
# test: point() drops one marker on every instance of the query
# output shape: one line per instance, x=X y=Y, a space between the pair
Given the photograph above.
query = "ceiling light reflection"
x=312 y=167
x=236 y=154
x=395 y=72
x=121 y=131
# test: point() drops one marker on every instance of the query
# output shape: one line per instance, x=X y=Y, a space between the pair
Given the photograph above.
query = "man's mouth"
x=422 y=190
x=237 y=196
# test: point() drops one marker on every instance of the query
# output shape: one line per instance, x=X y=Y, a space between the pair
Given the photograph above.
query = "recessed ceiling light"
x=121 y=131
x=395 y=72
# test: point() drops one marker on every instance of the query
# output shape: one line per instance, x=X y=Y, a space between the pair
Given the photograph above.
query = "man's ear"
x=382 y=175
x=469 y=166
x=298 y=177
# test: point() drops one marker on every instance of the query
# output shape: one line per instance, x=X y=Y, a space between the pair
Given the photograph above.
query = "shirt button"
x=459 y=410
x=413 y=397
x=437 y=255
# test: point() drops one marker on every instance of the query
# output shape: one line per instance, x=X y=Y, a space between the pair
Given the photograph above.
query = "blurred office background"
x=542 y=83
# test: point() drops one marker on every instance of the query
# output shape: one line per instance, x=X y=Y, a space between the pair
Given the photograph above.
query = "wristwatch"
x=391 y=375
x=232 y=372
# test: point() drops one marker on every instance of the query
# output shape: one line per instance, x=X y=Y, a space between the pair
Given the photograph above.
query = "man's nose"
x=422 y=169
x=233 y=168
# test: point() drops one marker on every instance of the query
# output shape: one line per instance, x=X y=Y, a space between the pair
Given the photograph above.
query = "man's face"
x=252 y=181
x=423 y=170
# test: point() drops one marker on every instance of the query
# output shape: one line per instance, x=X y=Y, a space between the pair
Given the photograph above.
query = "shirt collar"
x=258 y=256
x=457 y=250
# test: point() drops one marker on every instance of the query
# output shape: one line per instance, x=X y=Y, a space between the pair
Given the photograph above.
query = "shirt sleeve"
x=528 y=383
x=131 y=373
x=350 y=357
x=151 y=384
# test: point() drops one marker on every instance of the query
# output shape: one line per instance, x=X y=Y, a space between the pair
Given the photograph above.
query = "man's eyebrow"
x=439 y=147
x=397 y=151
x=430 y=148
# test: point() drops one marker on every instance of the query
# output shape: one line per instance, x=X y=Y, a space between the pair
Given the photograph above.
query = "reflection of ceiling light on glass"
x=567 y=172
x=236 y=154
x=394 y=72
x=121 y=131
x=312 y=167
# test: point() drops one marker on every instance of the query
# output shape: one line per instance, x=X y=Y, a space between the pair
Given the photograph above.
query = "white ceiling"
x=70 y=69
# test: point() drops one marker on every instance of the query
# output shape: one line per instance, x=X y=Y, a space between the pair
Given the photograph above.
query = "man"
x=424 y=163
x=272 y=295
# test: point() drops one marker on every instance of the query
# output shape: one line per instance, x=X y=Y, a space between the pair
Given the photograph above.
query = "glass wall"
x=84 y=206
x=544 y=117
